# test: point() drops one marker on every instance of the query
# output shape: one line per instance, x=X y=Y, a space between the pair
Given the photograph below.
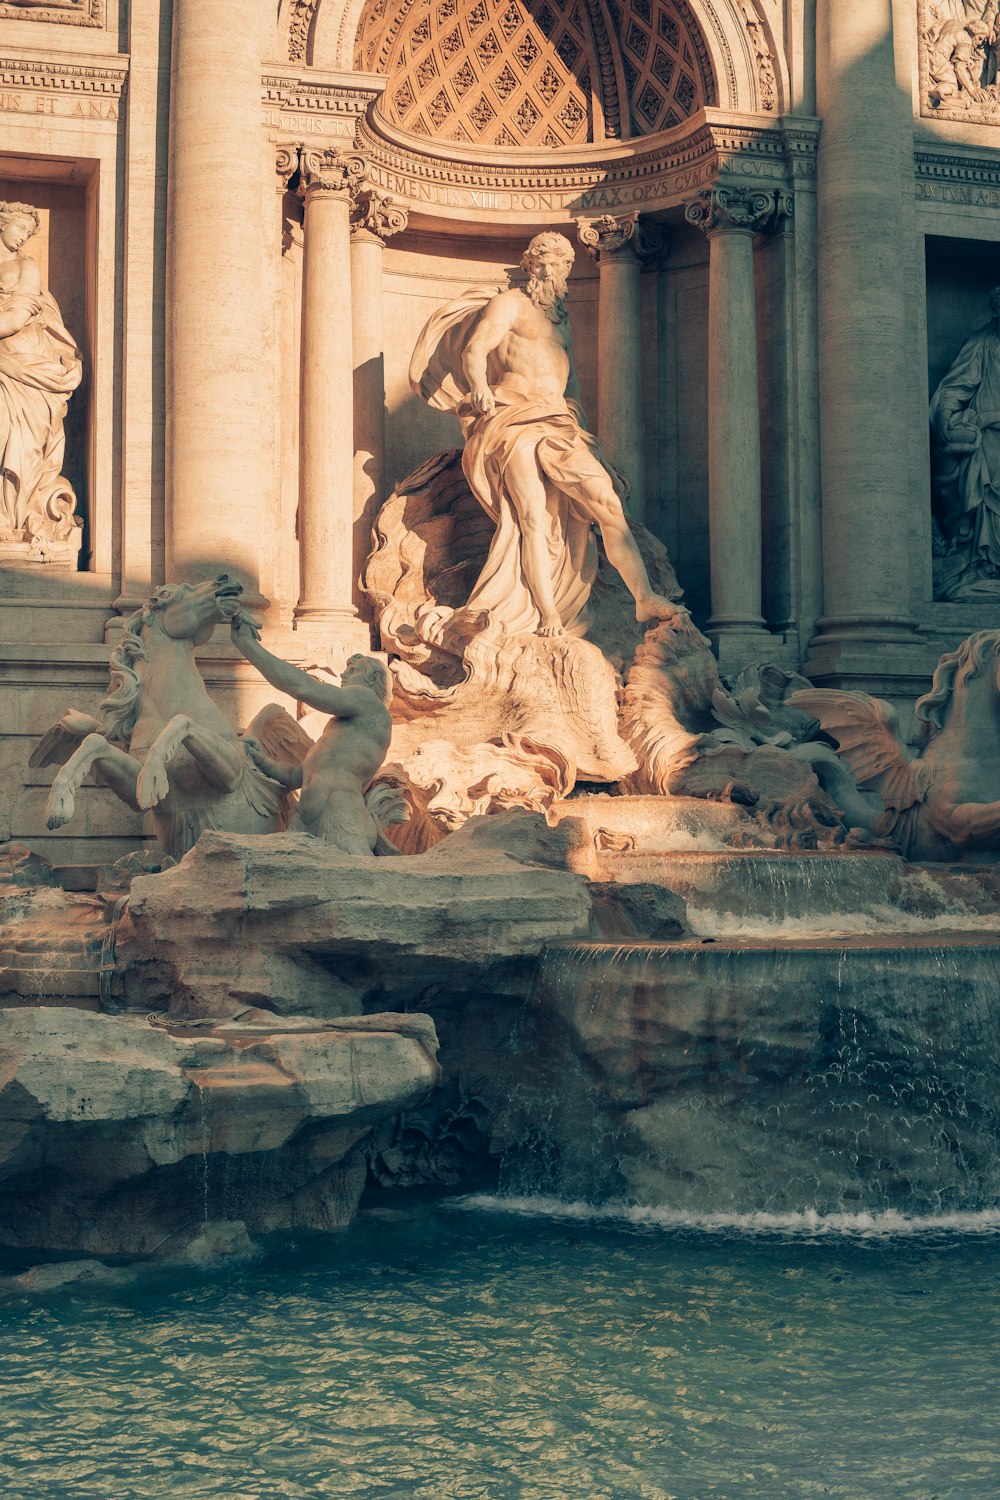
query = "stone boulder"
x=287 y=923
x=116 y=1132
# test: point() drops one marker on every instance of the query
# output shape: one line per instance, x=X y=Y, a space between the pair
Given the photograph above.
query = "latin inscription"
x=599 y=199
x=65 y=106
x=956 y=192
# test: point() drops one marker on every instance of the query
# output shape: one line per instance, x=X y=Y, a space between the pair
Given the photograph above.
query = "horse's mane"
x=120 y=708
x=932 y=709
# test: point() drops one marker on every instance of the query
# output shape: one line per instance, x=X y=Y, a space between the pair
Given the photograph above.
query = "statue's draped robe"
x=568 y=457
x=970 y=483
x=39 y=370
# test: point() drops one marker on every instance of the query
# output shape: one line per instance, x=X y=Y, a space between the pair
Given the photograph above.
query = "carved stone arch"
x=741 y=50
x=740 y=41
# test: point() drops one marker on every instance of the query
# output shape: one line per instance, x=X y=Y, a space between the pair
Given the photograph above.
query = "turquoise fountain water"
x=511 y=1350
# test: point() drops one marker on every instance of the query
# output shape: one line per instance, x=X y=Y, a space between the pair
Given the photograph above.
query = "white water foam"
x=804 y=1224
x=708 y=922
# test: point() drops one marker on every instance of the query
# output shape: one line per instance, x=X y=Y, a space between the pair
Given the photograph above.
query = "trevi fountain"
x=500 y=749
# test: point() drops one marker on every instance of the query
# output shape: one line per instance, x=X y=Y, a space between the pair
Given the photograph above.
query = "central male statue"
x=503 y=363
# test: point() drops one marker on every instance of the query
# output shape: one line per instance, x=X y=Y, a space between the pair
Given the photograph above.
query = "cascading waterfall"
x=841 y=1057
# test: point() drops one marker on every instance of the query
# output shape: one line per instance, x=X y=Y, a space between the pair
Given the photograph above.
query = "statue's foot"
x=656 y=607
x=551 y=627
x=151 y=784
x=61 y=804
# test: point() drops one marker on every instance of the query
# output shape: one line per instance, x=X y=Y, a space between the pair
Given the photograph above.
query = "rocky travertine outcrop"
x=115 y=1132
x=289 y=923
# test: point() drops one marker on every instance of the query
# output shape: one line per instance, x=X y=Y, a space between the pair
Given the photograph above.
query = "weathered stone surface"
x=115 y=1132
x=838 y=1073
x=291 y=924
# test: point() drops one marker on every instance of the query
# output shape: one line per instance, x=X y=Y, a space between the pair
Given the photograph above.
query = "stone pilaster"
x=619 y=246
x=214 y=470
x=865 y=371
x=326 y=446
x=374 y=218
x=729 y=218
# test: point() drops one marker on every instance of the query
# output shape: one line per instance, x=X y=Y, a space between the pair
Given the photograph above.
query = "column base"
x=879 y=654
x=337 y=632
x=739 y=641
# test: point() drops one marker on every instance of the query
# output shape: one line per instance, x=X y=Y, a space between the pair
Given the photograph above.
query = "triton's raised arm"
x=341 y=702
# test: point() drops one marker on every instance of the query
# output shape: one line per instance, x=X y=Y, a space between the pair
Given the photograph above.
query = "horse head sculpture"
x=160 y=743
x=941 y=793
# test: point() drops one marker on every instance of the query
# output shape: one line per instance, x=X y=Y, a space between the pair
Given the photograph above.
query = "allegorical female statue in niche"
x=40 y=369
x=965 y=427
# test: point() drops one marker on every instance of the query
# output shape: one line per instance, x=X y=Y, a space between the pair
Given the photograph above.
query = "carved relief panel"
x=66 y=12
x=959 y=47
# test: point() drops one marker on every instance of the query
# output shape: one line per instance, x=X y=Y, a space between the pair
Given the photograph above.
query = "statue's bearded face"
x=548 y=270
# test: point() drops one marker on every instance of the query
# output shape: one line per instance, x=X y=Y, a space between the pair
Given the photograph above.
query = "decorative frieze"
x=312 y=105
x=959 y=48
x=663 y=176
x=300 y=19
x=767 y=87
x=65 y=12
x=81 y=90
x=951 y=179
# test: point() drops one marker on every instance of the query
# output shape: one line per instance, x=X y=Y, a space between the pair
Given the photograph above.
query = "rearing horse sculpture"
x=942 y=797
x=160 y=742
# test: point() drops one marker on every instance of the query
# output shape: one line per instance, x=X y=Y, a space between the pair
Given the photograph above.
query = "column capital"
x=620 y=237
x=286 y=163
x=327 y=171
x=374 y=216
x=722 y=210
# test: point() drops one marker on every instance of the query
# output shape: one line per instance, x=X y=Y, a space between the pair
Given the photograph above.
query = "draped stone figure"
x=40 y=368
x=503 y=363
x=965 y=425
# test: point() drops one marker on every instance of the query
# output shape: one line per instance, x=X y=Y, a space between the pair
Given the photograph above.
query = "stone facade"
x=786 y=237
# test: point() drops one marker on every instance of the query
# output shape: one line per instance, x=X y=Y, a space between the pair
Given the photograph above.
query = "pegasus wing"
x=279 y=735
x=58 y=743
x=867 y=733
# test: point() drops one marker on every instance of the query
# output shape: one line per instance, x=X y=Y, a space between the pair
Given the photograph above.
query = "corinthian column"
x=373 y=219
x=214 y=488
x=730 y=217
x=619 y=245
x=326 y=441
x=866 y=359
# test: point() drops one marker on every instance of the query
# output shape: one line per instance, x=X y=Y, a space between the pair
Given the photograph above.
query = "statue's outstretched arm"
x=342 y=703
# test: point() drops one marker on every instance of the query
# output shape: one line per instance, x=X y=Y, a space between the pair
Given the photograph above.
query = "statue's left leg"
x=220 y=760
x=623 y=554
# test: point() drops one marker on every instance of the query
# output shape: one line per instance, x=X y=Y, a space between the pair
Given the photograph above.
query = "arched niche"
x=734 y=61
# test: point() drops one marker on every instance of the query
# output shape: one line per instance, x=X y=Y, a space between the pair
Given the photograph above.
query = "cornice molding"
x=660 y=170
x=957 y=179
x=68 y=75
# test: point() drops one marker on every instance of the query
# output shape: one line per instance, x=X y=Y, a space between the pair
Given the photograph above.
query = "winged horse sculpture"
x=160 y=743
x=941 y=793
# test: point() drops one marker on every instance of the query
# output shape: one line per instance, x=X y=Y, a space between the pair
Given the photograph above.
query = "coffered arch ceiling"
x=544 y=73
x=530 y=73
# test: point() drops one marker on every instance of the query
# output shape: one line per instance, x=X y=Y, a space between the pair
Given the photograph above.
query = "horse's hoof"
x=60 y=806
x=151 y=786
